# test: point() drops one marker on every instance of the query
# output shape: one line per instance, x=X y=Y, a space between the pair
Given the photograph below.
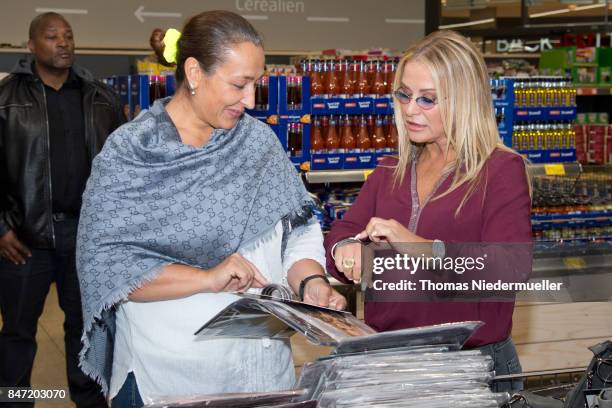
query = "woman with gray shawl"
x=191 y=200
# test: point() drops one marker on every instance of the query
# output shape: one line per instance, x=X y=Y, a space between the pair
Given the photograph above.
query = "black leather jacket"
x=25 y=181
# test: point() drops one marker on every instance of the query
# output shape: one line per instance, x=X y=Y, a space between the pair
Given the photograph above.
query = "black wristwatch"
x=306 y=280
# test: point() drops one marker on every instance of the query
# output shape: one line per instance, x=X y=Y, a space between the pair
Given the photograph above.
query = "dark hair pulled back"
x=208 y=36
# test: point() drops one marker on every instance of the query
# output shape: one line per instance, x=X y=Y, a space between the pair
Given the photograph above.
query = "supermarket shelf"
x=545 y=113
x=556 y=169
x=355 y=176
x=591 y=90
x=337 y=176
x=543 y=266
x=512 y=55
x=559 y=156
x=574 y=217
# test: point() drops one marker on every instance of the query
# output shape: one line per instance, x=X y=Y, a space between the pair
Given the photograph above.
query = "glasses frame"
x=421 y=101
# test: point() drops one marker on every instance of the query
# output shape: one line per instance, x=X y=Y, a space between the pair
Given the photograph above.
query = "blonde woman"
x=454 y=181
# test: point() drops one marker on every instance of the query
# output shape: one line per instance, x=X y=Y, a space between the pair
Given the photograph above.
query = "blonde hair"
x=464 y=98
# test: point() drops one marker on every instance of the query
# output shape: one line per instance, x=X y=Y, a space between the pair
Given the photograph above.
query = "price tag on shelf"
x=574 y=262
x=554 y=169
x=366 y=174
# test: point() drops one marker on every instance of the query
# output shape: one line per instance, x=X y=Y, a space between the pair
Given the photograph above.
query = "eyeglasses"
x=423 y=102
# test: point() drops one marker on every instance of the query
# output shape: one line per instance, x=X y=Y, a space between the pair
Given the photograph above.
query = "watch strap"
x=306 y=280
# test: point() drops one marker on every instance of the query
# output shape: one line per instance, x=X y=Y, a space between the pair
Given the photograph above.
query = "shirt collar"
x=73 y=81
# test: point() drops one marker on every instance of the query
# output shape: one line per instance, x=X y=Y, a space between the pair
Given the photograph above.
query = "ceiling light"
x=561 y=11
x=470 y=23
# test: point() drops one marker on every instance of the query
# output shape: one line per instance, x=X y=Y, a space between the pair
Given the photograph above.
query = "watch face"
x=437 y=248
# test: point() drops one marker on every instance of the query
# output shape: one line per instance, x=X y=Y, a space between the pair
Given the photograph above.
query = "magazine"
x=278 y=399
x=256 y=316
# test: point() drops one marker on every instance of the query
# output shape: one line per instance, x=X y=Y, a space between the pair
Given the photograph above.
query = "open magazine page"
x=334 y=325
x=246 y=319
x=265 y=316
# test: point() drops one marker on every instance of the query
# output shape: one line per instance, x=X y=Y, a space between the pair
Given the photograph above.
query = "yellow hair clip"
x=170 y=44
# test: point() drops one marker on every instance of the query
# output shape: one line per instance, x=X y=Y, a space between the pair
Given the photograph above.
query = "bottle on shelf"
x=347 y=141
x=556 y=136
x=317 y=143
x=500 y=115
x=316 y=79
x=363 y=138
x=500 y=90
x=371 y=122
x=539 y=136
x=332 y=141
x=548 y=95
x=294 y=139
x=556 y=93
x=531 y=93
x=362 y=86
x=331 y=82
x=519 y=94
x=346 y=79
x=294 y=92
x=324 y=124
x=565 y=94
x=261 y=93
x=493 y=83
x=572 y=91
x=379 y=141
x=388 y=75
x=157 y=88
x=304 y=67
x=539 y=93
x=516 y=133
x=392 y=138
x=378 y=82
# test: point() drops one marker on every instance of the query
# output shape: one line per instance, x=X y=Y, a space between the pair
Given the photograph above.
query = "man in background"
x=54 y=118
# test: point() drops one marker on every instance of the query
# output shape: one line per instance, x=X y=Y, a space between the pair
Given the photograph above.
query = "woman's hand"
x=348 y=260
x=381 y=230
x=235 y=274
x=319 y=293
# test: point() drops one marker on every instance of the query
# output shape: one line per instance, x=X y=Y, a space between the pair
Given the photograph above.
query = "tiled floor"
x=49 y=366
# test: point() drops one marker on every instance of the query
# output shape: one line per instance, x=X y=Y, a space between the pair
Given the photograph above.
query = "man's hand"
x=13 y=249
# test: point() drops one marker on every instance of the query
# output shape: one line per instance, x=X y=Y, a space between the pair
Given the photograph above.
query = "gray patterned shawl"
x=152 y=200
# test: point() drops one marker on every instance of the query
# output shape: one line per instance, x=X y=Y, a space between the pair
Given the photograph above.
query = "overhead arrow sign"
x=141 y=14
